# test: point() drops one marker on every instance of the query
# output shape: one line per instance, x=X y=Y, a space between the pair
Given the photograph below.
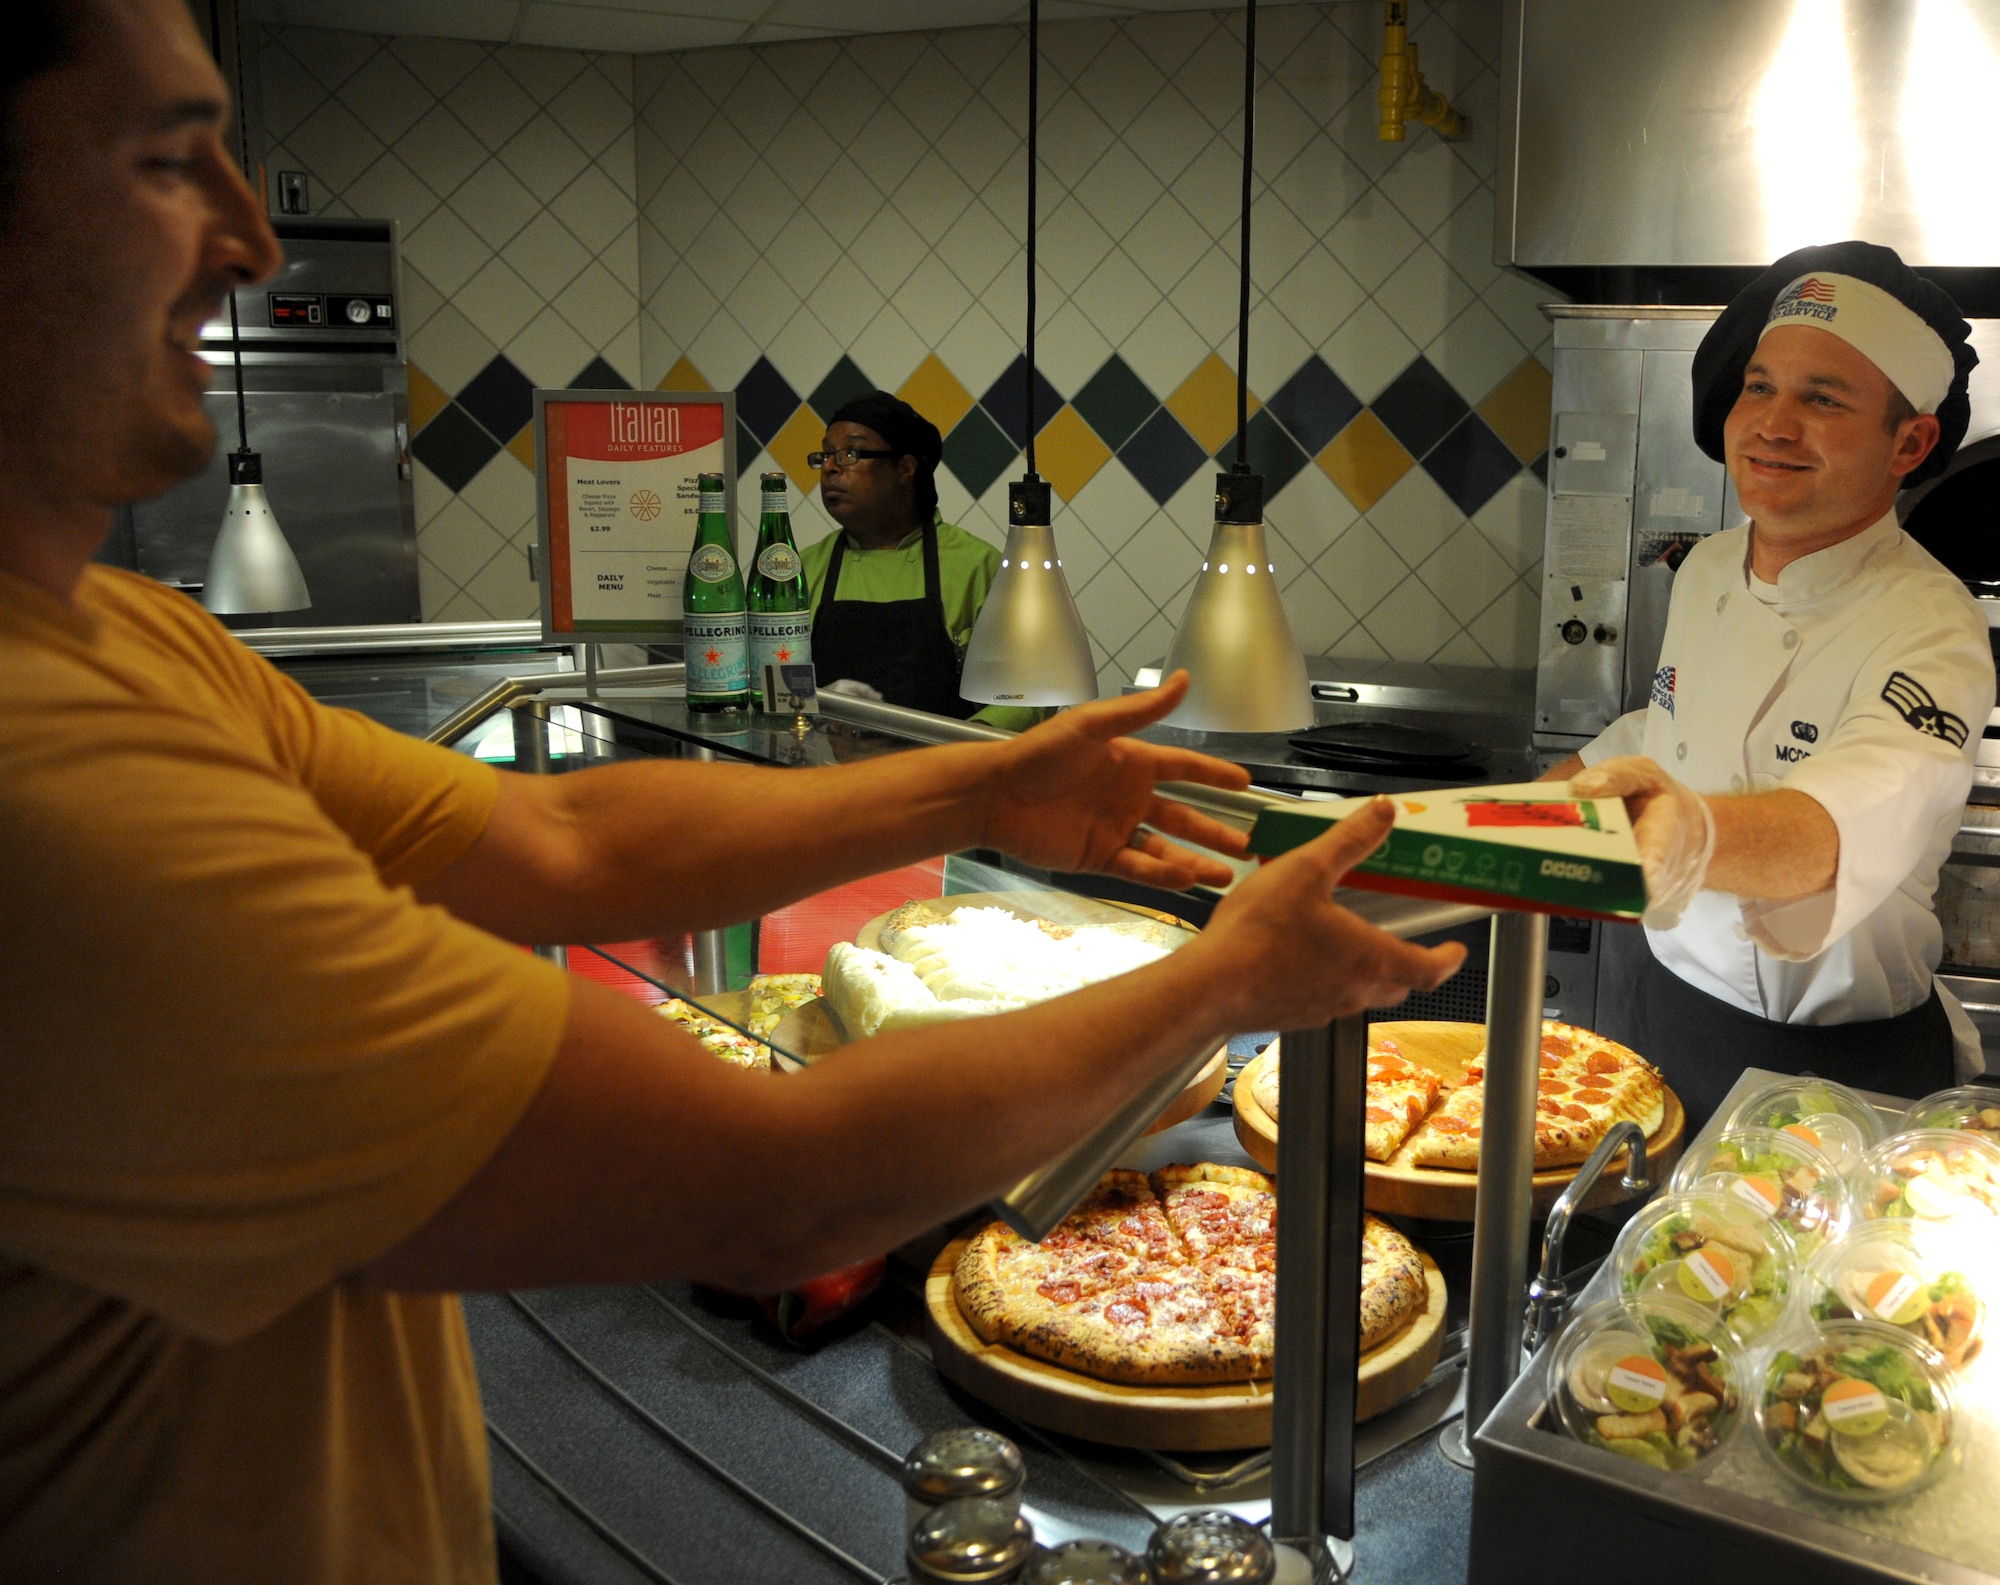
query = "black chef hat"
x=908 y=433
x=1725 y=351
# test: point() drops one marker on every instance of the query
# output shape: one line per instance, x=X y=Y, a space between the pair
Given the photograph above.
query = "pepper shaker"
x=1084 y=1563
x=969 y=1541
x=962 y=1461
x=1210 y=1547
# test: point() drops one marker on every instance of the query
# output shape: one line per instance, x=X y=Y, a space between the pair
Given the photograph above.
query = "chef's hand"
x=1072 y=793
x=1672 y=824
x=1292 y=958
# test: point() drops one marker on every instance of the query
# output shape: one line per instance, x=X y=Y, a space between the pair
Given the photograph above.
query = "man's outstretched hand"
x=1073 y=793
x=1290 y=957
x=1672 y=825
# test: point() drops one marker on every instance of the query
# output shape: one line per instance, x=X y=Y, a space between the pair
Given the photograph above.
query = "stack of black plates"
x=1386 y=748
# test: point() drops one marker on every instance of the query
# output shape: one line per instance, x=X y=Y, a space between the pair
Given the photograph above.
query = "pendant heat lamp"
x=251 y=567
x=1245 y=670
x=1028 y=646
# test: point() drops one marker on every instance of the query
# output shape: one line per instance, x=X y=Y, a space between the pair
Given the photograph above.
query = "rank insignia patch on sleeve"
x=1663 y=689
x=1913 y=702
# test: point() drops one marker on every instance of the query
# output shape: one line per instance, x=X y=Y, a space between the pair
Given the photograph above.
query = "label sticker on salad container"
x=1707 y=1276
x=1932 y=1196
x=1636 y=1383
x=1800 y=1131
x=1855 y=1408
x=1897 y=1297
x=1765 y=1195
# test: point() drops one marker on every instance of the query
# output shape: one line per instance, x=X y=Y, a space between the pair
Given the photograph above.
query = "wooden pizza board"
x=1398 y=1187
x=812 y=1030
x=1170 y=1419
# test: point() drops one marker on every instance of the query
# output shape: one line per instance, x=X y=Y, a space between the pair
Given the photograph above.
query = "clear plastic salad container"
x=1883 y=1272
x=1857 y=1411
x=1777 y=1173
x=1804 y=1103
x=1731 y=1261
x=1972 y=1108
x=1654 y=1379
x=1938 y=1176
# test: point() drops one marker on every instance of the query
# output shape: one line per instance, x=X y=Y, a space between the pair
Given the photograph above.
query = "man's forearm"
x=1776 y=845
x=665 y=846
x=609 y=1176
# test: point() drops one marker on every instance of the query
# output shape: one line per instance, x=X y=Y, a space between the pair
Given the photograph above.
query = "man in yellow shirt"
x=274 y=1084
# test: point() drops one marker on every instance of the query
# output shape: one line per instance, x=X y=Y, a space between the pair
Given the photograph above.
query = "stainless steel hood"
x=1666 y=151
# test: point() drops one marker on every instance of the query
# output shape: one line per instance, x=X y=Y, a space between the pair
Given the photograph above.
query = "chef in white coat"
x=1800 y=771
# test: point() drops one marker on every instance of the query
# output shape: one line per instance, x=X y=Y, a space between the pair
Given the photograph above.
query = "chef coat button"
x=1741 y=933
x=1791 y=638
x=1720 y=601
x=1680 y=751
x=1736 y=784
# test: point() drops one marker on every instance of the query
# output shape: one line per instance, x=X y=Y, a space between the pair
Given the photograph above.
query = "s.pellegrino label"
x=715 y=623
x=780 y=607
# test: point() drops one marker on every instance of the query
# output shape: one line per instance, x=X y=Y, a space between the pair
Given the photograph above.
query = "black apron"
x=1702 y=1045
x=900 y=648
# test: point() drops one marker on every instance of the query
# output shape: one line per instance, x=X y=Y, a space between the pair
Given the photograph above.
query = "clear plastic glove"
x=1671 y=823
x=852 y=688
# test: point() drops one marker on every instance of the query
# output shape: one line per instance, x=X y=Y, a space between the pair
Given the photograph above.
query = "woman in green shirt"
x=897 y=590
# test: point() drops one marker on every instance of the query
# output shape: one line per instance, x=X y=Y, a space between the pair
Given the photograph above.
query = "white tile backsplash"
x=816 y=197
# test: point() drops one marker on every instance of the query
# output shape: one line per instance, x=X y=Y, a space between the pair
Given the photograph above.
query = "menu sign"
x=615 y=476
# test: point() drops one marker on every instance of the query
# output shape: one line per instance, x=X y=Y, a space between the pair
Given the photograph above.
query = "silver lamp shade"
x=1029 y=647
x=1245 y=671
x=252 y=567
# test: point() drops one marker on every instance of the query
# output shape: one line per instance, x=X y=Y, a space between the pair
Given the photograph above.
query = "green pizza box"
x=1529 y=847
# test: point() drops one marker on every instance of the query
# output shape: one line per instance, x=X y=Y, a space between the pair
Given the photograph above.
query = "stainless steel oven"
x=326 y=388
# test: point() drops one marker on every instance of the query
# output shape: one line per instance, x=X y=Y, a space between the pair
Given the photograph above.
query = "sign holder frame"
x=554 y=550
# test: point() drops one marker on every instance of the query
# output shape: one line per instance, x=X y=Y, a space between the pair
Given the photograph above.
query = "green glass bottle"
x=780 y=610
x=715 y=627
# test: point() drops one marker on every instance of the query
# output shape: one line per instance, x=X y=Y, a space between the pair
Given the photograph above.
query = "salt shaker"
x=1210 y=1547
x=1084 y=1563
x=969 y=1541
x=963 y=1461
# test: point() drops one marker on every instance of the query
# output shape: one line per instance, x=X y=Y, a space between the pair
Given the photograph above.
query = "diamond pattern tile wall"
x=511 y=174
x=1379 y=322
x=799 y=222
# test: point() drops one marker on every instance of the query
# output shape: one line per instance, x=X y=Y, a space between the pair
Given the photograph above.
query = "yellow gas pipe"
x=1403 y=96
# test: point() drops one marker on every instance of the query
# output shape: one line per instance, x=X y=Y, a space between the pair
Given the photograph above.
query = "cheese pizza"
x=717 y=1038
x=1164 y=1281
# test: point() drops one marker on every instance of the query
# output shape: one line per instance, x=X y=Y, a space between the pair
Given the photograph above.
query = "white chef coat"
x=1864 y=678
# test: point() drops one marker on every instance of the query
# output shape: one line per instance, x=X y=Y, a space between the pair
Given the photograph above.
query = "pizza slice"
x=716 y=1037
x=774 y=995
x=1400 y=1095
x=1394 y=1288
x=1450 y=1136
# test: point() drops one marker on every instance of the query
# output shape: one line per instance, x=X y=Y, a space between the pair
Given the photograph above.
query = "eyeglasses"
x=844 y=458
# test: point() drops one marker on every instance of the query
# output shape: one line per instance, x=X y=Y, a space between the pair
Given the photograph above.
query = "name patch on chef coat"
x=1913 y=702
x=1663 y=689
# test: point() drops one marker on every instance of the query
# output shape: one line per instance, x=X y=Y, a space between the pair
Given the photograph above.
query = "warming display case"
x=666 y=1432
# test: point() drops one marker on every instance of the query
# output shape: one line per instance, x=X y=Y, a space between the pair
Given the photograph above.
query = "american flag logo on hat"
x=1814 y=290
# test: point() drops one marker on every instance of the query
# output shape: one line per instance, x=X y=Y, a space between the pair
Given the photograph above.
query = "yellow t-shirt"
x=239 y=1060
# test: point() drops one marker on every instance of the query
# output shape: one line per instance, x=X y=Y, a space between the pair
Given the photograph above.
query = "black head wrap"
x=1725 y=351
x=907 y=432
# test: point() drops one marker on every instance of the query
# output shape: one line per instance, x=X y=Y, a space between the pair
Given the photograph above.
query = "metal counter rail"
x=506 y=691
x=375 y=638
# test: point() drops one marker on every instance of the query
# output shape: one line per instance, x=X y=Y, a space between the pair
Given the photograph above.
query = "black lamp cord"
x=243 y=156
x=1034 y=100
x=1243 y=285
